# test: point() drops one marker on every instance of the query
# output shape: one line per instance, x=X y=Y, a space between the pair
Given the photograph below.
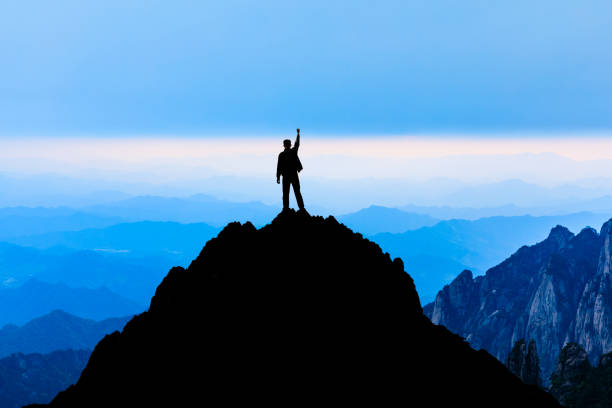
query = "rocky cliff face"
x=593 y=328
x=301 y=311
x=555 y=292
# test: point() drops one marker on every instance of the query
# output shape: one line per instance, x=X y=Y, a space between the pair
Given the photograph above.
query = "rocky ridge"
x=555 y=292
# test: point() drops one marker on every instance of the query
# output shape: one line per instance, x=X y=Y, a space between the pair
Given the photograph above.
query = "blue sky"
x=202 y=67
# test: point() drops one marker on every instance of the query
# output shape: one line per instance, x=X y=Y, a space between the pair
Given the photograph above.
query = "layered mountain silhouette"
x=302 y=310
x=36 y=298
x=377 y=219
x=180 y=241
x=555 y=292
x=20 y=221
x=37 y=378
x=196 y=208
x=131 y=277
x=57 y=330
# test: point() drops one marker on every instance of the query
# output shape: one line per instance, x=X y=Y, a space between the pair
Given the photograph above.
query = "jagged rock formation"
x=593 y=326
x=555 y=292
x=37 y=378
x=576 y=384
x=523 y=362
x=301 y=311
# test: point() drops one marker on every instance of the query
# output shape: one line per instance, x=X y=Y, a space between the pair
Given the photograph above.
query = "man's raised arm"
x=297 y=140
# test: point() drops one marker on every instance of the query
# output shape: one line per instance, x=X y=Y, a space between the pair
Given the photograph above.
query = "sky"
x=399 y=102
x=545 y=160
x=217 y=69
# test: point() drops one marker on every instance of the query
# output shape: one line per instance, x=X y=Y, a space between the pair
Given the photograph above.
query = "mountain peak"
x=606 y=229
x=465 y=275
x=560 y=234
x=303 y=309
x=58 y=314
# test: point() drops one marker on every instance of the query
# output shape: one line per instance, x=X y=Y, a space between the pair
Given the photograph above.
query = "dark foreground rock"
x=302 y=311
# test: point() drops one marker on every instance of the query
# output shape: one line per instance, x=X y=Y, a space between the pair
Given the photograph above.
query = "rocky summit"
x=555 y=292
x=301 y=311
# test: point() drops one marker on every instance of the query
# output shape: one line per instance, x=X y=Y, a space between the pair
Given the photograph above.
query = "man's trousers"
x=295 y=181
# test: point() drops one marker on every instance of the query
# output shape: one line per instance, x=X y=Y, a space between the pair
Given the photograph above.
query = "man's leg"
x=298 y=194
x=286 y=185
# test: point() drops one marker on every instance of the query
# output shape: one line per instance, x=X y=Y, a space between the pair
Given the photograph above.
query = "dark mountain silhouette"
x=577 y=384
x=37 y=378
x=554 y=292
x=57 y=330
x=36 y=298
x=300 y=311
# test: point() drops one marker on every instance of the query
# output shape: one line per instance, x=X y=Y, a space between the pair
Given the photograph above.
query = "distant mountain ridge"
x=193 y=209
x=57 y=330
x=132 y=277
x=143 y=238
x=37 y=378
x=36 y=298
x=302 y=310
x=465 y=244
x=555 y=292
x=376 y=219
x=20 y=221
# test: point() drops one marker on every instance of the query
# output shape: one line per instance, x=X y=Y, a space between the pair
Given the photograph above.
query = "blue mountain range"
x=57 y=330
x=36 y=298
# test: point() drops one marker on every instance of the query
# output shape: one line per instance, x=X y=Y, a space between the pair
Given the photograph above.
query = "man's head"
x=287 y=143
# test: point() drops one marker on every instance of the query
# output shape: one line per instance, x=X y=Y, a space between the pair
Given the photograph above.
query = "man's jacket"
x=288 y=161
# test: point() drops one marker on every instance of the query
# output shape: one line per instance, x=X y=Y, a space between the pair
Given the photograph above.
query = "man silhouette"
x=289 y=166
